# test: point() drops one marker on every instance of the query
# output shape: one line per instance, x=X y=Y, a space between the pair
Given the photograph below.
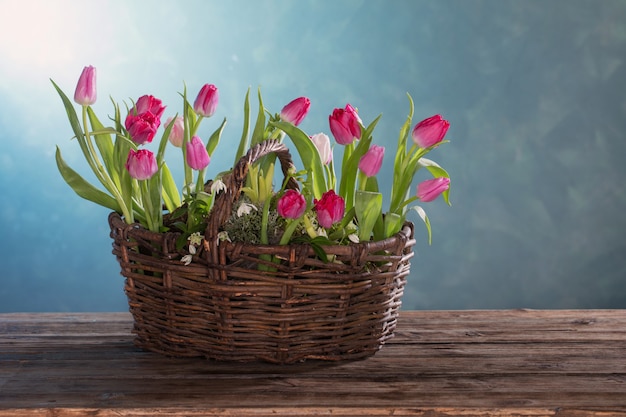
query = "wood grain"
x=440 y=363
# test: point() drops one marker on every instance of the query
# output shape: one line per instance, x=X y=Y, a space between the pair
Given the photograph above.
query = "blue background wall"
x=534 y=90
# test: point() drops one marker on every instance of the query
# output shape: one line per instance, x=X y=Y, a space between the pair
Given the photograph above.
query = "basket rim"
x=405 y=233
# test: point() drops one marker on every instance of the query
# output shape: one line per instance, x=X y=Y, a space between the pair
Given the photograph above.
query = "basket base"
x=235 y=337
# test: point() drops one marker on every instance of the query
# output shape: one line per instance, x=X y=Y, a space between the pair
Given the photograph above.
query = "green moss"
x=247 y=227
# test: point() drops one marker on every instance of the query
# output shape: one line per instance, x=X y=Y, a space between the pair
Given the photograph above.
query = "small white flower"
x=245 y=208
x=186 y=259
x=192 y=249
x=321 y=232
x=217 y=186
x=195 y=238
x=222 y=236
x=354 y=238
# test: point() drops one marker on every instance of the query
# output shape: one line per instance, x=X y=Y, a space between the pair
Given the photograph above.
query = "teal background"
x=534 y=91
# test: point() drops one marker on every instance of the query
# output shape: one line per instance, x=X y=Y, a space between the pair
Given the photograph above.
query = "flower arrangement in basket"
x=246 y=266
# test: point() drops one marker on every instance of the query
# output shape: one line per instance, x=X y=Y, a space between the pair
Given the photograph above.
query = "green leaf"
x=392 y=224
x=368 y=208
x=155 y=188
x=319 y=252
x=316 y=244
x=77 y=128
x=121 y=148
x=71 y=113
x=102 y=137
x=163 y=142
x=420 y=211
x=369 y=130
x=171 y=196
x=403 y=136
x=82 y=187
x=308 y=154
x=259 y=127
x=215 y=138
x=372 y=185
x=399 y=187
x=243 y=142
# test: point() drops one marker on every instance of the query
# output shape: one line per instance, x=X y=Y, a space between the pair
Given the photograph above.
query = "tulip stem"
x=101 y=173
x=264 y=221
x=406 y=203
x=362 y=181
x=264 y=238
x=291 y=227
x=309 y=227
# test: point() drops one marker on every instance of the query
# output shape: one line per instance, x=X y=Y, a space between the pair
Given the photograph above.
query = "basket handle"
x=235 y=180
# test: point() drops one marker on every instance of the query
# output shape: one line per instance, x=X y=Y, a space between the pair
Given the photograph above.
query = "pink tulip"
x=430 y=189
x=371 y=162
x=430 y=131
x=344 y=125
x=178 y=131
x=291 y=205
x=322 y=143
x=295 y=111
x=151 y=104
x=85 y=93
x=141 y=127
x=206 y=101
x=141 y=164
x=330 y=209
x=197 y=155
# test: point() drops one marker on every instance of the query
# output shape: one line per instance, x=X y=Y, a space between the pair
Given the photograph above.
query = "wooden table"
x=441 y=363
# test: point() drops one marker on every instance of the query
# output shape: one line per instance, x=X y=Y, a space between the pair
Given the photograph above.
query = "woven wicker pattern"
x=222 y=306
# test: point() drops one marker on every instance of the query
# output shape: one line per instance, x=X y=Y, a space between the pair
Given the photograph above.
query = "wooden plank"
x=517 y=362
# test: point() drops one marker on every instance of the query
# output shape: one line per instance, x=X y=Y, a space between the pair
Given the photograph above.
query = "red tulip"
x=85 y=93
x=431 y=189
x=197 y=155
x=430 y=131
x=206 y=101
x=371 y=162
x=295 y=111
x=344 y=125
x=141 y=127
x=291 y=205
x=330 y=209
x=151 y=104
x=141 y=164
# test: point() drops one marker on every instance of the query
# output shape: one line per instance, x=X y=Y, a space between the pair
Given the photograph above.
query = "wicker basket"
x=221 y=306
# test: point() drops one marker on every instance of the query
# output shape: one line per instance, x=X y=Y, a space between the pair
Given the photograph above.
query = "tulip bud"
x=295 y=111
x=330 y=209
x=197 y=155
x=430 y=131
x=344 y=125
x=206 y=101
x=430 y=189
x=85 y=93
x=322 y=143
x=178 y=131
x=141 y=164
x=291 y=205
x=371 y=162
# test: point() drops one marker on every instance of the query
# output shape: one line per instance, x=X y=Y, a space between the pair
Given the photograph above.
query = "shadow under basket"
x=244 y=302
